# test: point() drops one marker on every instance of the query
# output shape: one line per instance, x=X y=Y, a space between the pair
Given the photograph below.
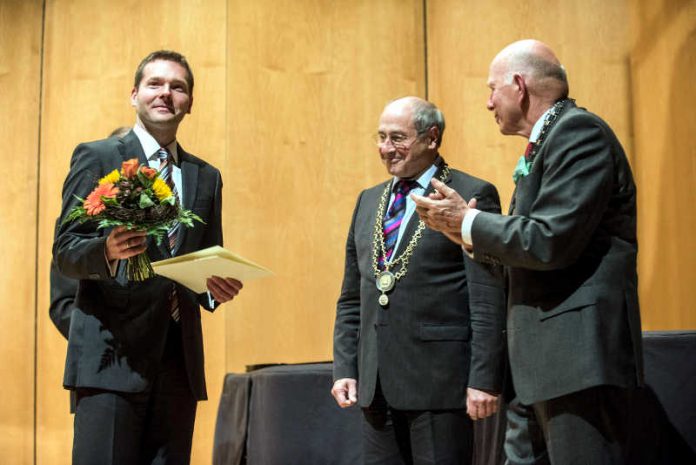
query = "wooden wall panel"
x=20 y=64
x=463 y=38
x=663 y=63
x=90 y=57
x=306 y=85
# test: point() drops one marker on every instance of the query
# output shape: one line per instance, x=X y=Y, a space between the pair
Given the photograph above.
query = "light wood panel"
x=20 y=47
x=463 y=38
x=307 y=81
x=663 y=62
x=90 y=58
x=287 y=96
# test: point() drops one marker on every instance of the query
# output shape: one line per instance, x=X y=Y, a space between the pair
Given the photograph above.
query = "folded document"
x=193 y=269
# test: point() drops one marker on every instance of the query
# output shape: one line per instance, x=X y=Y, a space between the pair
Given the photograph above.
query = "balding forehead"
x=527 y=48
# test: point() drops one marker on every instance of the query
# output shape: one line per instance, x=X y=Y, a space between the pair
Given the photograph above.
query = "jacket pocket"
x=438 y=332
x=585 y=297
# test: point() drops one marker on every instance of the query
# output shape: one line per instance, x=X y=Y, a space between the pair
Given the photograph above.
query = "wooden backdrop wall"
x=287 y=96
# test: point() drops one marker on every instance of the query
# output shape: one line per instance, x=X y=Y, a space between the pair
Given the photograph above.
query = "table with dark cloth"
x=285 y=415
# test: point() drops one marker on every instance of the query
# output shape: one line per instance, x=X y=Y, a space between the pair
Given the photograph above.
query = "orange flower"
x=130 y=167
x=148 y=172
x=94 y=204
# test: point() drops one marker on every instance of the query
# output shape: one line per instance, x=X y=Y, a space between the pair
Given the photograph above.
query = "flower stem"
x=139 y=268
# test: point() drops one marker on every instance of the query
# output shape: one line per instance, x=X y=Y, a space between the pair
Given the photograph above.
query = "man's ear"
x=518 y=79
x=434 y=135
x=134 y=93
x=190 y=104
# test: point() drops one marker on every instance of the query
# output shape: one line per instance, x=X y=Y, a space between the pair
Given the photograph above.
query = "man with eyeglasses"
x=418 y=338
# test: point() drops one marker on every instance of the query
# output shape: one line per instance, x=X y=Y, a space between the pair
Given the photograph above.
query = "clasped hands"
x=443 y=210
x=479 y=404
x=123 y=243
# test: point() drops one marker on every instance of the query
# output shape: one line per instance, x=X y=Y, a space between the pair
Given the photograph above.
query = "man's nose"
x=166 y=90
x=386 y=149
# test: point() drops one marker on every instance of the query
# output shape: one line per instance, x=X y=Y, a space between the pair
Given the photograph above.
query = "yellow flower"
x=110 y=178
x=161 y=189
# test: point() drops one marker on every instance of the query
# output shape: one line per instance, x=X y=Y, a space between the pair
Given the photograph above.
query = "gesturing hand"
x=443 y=210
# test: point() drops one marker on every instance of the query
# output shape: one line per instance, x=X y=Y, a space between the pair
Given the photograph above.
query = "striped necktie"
x=166 y=167
x=393 y=218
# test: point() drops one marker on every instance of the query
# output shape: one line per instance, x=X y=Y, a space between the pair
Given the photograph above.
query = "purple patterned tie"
x=166 y=163
x=392 y=220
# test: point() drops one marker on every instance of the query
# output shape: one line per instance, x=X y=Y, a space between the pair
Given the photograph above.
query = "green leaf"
x=145 y=201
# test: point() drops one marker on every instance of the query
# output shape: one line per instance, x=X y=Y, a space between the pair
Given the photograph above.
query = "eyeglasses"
x=398 y=141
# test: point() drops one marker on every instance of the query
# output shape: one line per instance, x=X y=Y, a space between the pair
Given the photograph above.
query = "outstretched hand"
x=223 y=289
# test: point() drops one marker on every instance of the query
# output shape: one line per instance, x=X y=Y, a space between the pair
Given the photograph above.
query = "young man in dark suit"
x=135 y=350
x=569 y=245
x=418 y=338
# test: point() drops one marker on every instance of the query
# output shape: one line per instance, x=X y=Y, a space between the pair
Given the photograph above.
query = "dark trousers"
x=588 y=427
x=415 y=437
x=154 y=427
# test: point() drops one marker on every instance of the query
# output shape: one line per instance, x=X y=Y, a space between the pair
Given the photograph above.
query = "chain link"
x=378 y=236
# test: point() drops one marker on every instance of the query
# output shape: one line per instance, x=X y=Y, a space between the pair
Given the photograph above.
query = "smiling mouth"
x=164 y=108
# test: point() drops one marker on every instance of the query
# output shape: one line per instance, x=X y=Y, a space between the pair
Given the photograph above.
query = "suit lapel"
x=511 y=209
x=414 y=220
x=130 y=147
x=189 y=179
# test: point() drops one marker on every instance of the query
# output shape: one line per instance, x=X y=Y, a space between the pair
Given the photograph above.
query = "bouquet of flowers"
x=138 y=198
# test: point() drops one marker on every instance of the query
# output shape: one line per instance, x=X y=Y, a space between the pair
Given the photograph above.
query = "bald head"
x=543 y=73
x=424 y=114
x=408 y=136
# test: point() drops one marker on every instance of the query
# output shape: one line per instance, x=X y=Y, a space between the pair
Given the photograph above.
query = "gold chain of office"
x=385 y=280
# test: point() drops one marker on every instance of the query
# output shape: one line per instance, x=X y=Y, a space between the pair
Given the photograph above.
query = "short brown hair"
x=167 y=55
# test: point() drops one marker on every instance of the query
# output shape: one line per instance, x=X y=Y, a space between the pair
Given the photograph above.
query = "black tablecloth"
x=285 y=415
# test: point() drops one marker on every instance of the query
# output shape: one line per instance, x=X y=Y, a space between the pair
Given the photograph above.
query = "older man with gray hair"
x=418 y=340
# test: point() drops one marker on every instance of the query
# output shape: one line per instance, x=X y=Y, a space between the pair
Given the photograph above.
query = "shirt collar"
x=151 y=146
x=424 y=179
x=536 y=129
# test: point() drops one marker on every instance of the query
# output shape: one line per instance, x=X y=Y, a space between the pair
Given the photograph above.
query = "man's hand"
x=480 y=404
x=443 y=210
x=345 y=391
x=123 y=243
x=223 y=289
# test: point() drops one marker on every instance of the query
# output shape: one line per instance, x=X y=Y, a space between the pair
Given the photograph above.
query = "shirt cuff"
x=211 y=301
x=467 y=224
x=111 y=265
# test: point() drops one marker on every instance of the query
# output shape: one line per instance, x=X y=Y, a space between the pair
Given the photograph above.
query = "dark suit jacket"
x=443 y=328
x=119 y=328
x=570 y=248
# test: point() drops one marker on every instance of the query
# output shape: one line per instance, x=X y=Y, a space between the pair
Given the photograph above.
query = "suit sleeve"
x=347 y=325
x=487 y=306
x=78 y=250
x=574 y=192
x=213 y=234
